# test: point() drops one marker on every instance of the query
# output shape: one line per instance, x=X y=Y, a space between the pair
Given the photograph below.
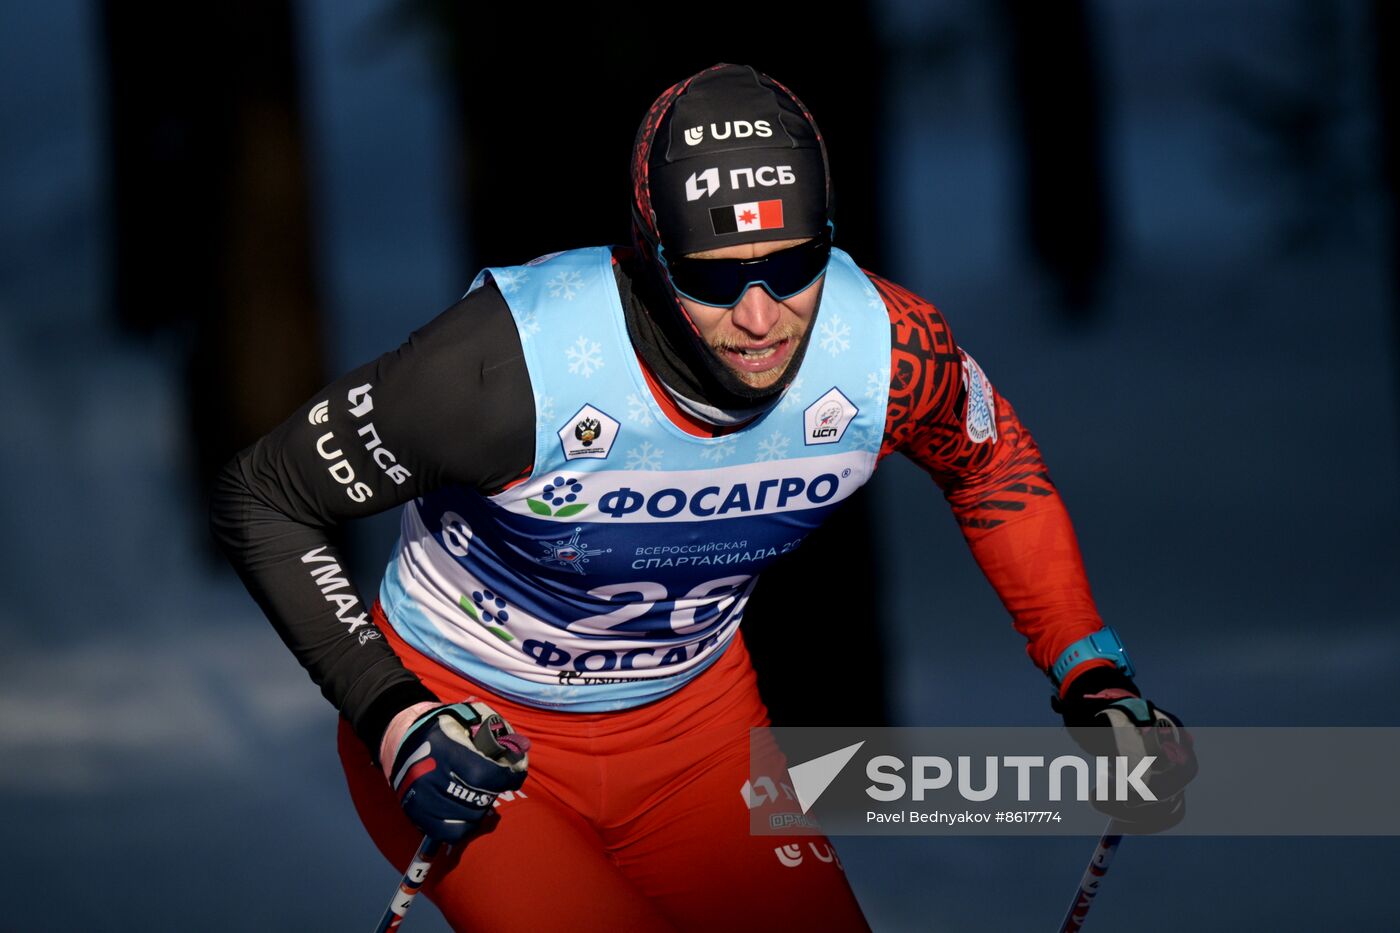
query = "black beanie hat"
x=728 y=156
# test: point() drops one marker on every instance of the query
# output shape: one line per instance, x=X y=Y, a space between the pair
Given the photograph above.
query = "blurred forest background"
x=1169 y=232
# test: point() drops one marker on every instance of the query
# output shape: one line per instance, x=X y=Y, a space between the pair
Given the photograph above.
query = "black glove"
x=452 y=763
x=1105 y=713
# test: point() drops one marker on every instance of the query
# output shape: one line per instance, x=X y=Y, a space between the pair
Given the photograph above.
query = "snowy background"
x=1225 y=435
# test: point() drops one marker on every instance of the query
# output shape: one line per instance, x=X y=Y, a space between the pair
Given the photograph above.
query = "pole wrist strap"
x=1102 y=644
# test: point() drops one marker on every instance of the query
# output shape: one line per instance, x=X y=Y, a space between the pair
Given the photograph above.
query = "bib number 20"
x=693 y=612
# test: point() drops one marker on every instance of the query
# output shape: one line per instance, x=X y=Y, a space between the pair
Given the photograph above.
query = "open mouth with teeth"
x=760 y=358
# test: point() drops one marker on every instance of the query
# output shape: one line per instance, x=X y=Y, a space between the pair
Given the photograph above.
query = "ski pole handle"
x=408 y=888
x=1093 y=877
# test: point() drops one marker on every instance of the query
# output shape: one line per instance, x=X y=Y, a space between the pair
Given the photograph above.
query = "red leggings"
x=633 y=820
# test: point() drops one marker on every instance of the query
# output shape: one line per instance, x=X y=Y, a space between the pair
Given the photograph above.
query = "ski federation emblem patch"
x=752 y=215
x=570 y=553
x=826 y=419
x=980 y=418
x=588 y=435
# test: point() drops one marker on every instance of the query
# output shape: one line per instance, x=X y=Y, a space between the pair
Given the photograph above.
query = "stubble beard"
x=790 y=331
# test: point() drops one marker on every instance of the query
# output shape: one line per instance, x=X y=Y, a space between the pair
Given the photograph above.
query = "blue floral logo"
x=488 y=609
x=559 y=499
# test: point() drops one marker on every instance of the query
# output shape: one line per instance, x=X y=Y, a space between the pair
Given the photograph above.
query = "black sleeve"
x=452 y=405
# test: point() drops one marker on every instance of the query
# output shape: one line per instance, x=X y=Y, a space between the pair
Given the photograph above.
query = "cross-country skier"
x=597 y=453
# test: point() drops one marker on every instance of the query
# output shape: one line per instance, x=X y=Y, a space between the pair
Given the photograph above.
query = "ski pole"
x=408 y=888
x=1093 y=877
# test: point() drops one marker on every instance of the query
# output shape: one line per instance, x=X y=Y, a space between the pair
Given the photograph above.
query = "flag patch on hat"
x=751 y=215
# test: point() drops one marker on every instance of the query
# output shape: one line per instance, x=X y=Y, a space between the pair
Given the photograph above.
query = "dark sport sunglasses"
x=721 y=283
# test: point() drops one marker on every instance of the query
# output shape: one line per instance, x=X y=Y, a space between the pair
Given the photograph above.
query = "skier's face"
x=755 y=338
